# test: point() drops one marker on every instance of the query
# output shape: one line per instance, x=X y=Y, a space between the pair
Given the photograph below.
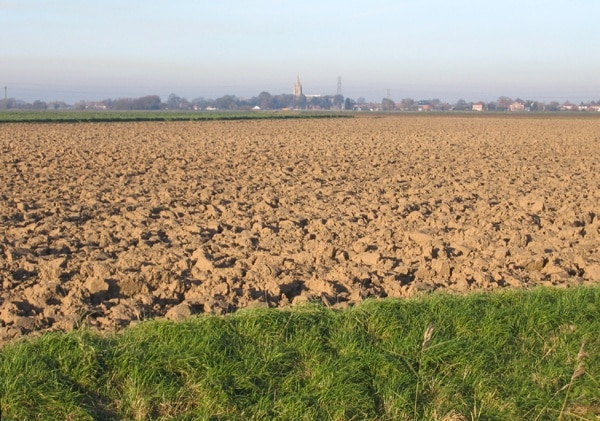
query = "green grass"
x=531 y=355
x=75 y=116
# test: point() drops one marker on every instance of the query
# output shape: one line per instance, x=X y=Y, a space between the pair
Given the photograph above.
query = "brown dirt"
x=107 y=224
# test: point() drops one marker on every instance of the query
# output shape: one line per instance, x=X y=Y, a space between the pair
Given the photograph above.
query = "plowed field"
x=107 y=224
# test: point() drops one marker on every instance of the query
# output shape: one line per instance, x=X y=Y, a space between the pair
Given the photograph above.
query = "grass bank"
x=513 y=355
x=75 y=116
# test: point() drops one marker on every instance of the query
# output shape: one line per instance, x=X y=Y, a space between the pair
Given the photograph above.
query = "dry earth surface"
x=109 y=224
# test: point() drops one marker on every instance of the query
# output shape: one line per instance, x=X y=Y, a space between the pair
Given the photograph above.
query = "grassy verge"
x=124 y=116
x=513 y=355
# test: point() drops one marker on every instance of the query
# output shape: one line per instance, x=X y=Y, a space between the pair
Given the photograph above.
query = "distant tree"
x=17 y=103
x=387 y=104
x=407 y=104
x=503 y=103
x=444 y=106
x=149 y=102
x=227 y=102
x=173 y=102
x=462 y=105
x=553 y=106
x=283 y=101
x=122 y=104
x=349 y=104
x=58 y=105
x=277 y=103
x=320 y=102
x=300 y=102
x=330 y=101
x=532 y=105
x=202 y=102
x=185 y=104
x=8 y=103
x=265 y=100
x=361 y=100
x=80 y=105
x=39 y=105
x=435 y=103
x=338 y=101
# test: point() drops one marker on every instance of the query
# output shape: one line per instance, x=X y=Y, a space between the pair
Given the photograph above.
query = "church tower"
x=298 y=87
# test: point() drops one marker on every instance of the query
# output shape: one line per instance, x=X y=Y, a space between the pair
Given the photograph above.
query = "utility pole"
x=5 y=93
x=339 y=86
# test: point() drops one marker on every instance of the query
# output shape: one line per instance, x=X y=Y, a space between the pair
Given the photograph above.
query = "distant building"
x=297 y=87
x=517 y=106
x=478 y=106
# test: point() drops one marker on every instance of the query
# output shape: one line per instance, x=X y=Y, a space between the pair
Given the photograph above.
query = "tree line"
x=264 y=101
x=267 y=101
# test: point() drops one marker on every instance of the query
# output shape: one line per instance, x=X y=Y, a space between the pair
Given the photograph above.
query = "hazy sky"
x=472 y=49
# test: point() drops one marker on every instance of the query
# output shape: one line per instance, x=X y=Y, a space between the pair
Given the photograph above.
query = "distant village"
x=298 y=100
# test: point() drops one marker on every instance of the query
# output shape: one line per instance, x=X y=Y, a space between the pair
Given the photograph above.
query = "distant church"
x=298 y=87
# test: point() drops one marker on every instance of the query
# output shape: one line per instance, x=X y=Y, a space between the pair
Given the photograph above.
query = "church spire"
x=298 y=87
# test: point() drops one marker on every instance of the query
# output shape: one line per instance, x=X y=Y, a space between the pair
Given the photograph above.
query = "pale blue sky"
x=471 y=49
